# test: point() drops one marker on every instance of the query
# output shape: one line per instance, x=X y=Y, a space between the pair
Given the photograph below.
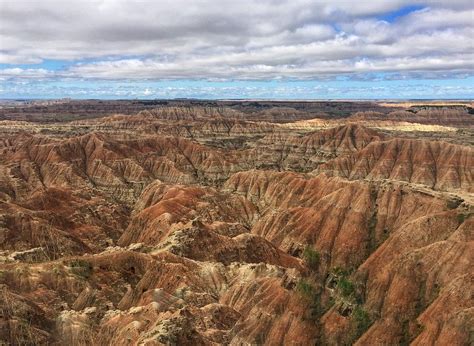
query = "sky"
x=246 y=49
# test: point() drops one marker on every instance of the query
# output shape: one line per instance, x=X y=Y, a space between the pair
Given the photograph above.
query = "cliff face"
x=283 y=150
x=208 y=229
x=441 y=166
x=443 y=115
x=98 y=160
x=394 y=238
x=190 y=113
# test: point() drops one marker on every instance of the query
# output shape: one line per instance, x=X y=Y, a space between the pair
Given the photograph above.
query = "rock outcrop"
x=438 y=165
x=442 y=115
x=204 y=225
x=285 y=151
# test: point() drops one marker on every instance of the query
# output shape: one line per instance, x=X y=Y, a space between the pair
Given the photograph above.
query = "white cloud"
x=223 y=39
x=37 y=73
x=257 y=90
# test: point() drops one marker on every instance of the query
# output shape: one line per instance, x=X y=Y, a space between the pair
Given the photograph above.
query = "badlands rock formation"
x=441 y=166
x=286 y=151
x=444 y=115
x=220 y=225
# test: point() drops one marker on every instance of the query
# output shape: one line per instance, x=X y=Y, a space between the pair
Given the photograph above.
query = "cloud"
x=249 y=90
x=33 y=73
x=243 y=40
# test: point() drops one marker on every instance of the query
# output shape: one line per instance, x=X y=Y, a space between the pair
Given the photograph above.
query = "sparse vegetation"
x=405 y=337
x=462 y=217
x=410 y=332
x=22 y=271
x=349 y=301
x=309 y=293
x=338 y=271
x=371 y=227
x=361 y=321
x=345 y=286
x=57 y=270
x=81 y=268
x=311 y=258
x=305 y=289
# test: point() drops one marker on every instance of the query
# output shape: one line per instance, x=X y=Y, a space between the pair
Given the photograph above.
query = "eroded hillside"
x=237 y=224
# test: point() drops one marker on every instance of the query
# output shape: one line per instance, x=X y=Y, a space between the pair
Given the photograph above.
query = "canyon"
x=186 y=222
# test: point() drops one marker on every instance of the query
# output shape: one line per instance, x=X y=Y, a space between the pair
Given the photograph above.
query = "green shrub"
x=340 y=271
x=345 y=286
x=305 y=289
x=462 y=217
x=57 y=270
x=311 y=258
x=361 y=320
x=81 y=268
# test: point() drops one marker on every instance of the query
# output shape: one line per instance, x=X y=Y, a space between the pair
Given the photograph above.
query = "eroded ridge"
x=224 y=224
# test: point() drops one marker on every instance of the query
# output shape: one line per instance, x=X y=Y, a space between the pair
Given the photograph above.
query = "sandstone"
x=243 y=223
